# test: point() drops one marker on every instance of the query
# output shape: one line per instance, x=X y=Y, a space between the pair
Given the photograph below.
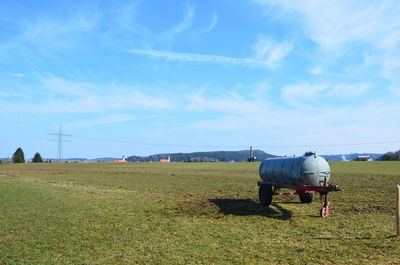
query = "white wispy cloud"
x=9 y=94
x=349 y=90
x=187 y=21
x=38 y=38
x=131 y=98
x=227 y=103
x=126 y=18
x=390 y=70
x=302 y=94
x=213 y=22
x=261 y=88
x=316 y=70
x=271 y=52
x=103 y=120
x=193 y=57
x=57 y=95
x=60 y=33
x=298 y=93
x=59 y=86
x=270 y=62
x=395 y=89
x=18 y=75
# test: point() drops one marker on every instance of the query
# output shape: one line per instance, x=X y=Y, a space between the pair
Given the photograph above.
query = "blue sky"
x=145 y=77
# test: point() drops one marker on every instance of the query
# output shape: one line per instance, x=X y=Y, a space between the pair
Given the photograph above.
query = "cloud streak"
x=270 y=52
x=302 y=94
x=187 y=21
x=213 y=23
x=63 y=96
x=271 y=62
x=193 y=57
x=17 y=75
x=108 y=119
x=61 y=34
x=231 y=103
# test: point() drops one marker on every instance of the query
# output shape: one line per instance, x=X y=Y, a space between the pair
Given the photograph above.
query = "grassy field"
x=191 y=213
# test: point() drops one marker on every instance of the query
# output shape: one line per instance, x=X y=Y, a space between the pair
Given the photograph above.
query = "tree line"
x=391 y=156
x=19 y=157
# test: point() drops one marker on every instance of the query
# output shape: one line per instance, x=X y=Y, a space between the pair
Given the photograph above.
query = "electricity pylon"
x=60 y=141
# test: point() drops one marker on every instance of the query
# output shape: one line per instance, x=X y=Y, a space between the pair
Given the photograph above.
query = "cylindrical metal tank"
x=309 y=169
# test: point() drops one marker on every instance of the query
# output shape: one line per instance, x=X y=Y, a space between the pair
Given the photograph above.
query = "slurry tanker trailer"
x=306 y=175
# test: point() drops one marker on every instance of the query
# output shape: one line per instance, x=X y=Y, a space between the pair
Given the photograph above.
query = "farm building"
x=165 y=160
x=362 y=158
x=122 y=160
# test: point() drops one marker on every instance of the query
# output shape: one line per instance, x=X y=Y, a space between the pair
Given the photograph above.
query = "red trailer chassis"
x=323 y=190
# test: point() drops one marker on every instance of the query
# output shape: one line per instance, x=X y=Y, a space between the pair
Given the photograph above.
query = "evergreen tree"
x=18 y=156
x=391 y=156
x=37 y=158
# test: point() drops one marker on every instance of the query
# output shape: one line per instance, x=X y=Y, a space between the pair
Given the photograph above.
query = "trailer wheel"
x=306 y=197
x=265 y=194
x=323 y=212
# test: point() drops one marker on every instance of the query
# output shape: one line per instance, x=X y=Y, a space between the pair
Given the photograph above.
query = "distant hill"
x=80 y=159
x=350 y=157
x=105 y=159
x=215 y=156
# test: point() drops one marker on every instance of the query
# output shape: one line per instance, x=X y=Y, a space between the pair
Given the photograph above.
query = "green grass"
x=193 y=213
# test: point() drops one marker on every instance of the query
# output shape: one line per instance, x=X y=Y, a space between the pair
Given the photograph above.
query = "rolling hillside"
x=216 y=156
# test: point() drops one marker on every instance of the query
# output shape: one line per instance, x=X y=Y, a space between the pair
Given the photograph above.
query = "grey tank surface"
x=304 y=170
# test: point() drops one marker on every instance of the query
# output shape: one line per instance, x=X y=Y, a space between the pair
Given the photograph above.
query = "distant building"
x=362 y=158
x=165 y=160
x=121 y=160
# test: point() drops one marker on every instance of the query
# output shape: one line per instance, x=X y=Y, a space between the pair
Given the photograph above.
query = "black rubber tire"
x=306 y=197
x=265 y=194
